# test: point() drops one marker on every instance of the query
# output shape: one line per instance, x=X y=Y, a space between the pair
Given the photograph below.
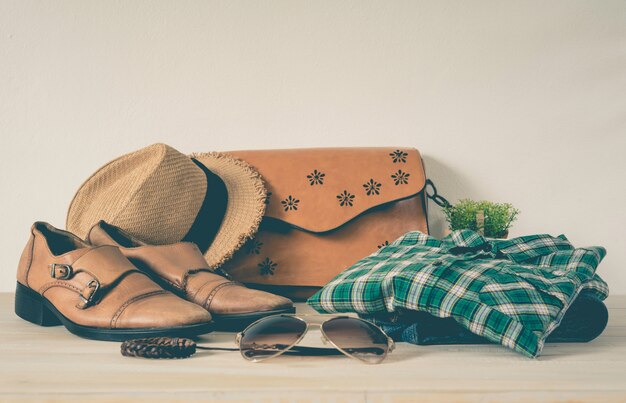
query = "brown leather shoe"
x=95 y=292
x=180 y=267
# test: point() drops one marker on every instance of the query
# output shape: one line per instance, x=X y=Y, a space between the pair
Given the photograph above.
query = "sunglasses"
x=275 y=335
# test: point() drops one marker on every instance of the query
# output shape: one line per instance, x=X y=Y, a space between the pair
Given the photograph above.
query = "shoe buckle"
x=92 y=289
x=60 y=271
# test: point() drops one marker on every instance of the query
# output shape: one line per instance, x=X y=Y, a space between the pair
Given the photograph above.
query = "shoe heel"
x=30 y=306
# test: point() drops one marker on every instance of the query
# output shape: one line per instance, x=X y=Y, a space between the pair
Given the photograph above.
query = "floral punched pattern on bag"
x=253 y=247
x=400 y=177
x=372 y=187
x=316 y=177
x=267 y=267
x=398 y=156
x=346 y=199
x=290 y=203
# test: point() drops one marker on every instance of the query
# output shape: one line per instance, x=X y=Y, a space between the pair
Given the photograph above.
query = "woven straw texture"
x=154 y=194
x=245 y=209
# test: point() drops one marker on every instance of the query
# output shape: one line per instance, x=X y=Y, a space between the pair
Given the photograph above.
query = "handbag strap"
x=435 y=196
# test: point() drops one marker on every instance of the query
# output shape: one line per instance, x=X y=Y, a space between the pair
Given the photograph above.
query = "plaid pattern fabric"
x=513 y=292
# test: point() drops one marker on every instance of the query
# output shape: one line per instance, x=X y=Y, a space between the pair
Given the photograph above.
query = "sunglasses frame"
x=308 y=324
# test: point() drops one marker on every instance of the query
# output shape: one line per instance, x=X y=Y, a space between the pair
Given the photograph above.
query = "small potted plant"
x=492 y=220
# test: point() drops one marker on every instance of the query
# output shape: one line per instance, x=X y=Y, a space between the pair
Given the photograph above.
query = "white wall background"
x=508 y=101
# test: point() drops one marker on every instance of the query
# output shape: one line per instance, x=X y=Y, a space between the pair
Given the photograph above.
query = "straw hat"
x=162 y=196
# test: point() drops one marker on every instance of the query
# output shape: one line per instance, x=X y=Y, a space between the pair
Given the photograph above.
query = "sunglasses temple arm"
x=295 y=350
x=302 y=350
x=217 y=348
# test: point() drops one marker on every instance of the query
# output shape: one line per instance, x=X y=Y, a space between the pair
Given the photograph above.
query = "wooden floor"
x=39 y=363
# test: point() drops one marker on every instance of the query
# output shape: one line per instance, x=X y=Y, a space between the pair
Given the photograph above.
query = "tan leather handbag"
x=326 y=209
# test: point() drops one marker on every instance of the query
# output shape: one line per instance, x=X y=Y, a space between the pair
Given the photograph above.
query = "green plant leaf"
x=498 y=216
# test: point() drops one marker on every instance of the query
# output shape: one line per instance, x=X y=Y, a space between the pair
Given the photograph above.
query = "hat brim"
x=245 y=206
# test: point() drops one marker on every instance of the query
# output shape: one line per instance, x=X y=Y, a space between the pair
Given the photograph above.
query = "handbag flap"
x=320 y=189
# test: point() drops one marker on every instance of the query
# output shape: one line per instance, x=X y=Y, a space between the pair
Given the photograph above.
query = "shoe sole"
x=36 y=309
x=238 y=322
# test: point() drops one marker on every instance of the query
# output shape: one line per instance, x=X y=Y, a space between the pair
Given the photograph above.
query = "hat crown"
x=154 y=193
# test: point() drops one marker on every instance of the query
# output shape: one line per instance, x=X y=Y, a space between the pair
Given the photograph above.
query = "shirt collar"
x=520 y=249
x=529 y=248
x=465 y=241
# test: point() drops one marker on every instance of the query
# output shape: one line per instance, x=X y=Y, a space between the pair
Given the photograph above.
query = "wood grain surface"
x=50 y=364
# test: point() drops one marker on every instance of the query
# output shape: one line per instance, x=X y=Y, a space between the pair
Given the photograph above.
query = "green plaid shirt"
x=513 y=292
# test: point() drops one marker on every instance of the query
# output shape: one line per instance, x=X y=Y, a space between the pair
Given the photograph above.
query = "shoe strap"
x=92 y=275
x=172 y=263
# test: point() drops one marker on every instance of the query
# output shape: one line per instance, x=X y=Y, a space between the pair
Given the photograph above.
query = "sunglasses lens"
x=357 y=338
x=270 y=336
